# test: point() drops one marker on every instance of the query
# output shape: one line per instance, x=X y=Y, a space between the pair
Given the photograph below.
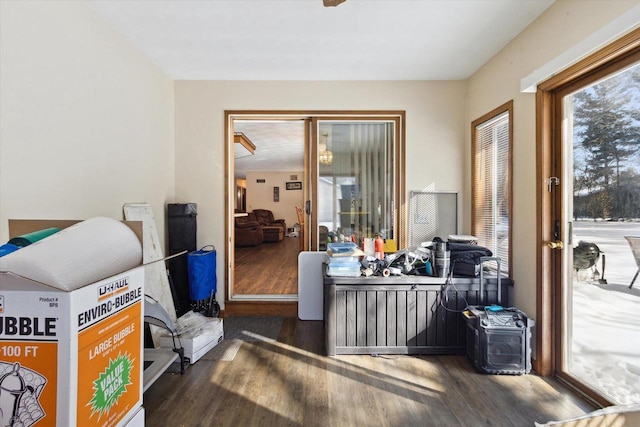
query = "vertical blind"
x=362 y=174
x=491 y=182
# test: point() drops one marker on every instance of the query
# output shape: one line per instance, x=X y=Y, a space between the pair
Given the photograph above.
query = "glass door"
x=356 y=165
x=601 y=212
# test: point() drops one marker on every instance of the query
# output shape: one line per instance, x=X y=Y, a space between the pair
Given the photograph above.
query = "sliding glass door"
x=348 y=175
x=601 y=210
x=356 y=163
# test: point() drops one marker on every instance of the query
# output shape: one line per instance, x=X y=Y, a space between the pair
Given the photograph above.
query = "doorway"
x=589 y=204
x=300 y=187
x=268 y=179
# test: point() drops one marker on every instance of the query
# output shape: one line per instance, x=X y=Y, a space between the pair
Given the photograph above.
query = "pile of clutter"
x=459 y=256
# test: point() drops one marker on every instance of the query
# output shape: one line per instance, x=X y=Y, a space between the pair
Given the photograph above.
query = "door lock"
x=555 y=244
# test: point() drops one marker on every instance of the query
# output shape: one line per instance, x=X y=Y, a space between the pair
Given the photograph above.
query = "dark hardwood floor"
x=267 y=269
x=290 y=382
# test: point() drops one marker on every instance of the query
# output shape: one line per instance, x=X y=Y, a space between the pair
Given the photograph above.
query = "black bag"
x=465 y=259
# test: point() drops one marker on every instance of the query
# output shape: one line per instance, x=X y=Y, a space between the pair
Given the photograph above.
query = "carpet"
x=252 y=328
x=238 y=329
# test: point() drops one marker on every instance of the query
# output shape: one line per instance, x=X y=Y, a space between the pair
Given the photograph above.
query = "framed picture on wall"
x=294 y=185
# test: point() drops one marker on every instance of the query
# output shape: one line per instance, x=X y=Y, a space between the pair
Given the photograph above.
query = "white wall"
x=559 y=28
x=86 y=120
x=434 y=120
x=260 y=195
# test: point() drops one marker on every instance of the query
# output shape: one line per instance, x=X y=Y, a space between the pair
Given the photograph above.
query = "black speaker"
x=504 y=350
x=181 y=221
x=498 y=342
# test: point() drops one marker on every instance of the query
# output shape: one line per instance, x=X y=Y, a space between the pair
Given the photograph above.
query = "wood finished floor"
x=291 y=383
x=267 y=269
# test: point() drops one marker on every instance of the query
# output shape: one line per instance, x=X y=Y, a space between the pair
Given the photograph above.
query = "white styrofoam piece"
x=156 y=280
x=196 y=355
x=310 y=285
x=197 y=343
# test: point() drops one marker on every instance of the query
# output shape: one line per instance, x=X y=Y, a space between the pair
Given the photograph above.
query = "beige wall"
x=562 y=26
x=87 y=123
x=260 y=195
x=86 y=120
x=435 y=133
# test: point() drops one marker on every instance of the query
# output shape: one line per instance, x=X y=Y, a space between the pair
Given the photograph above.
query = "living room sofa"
x=248 y=231
x=266 y=219
x=258 y=226
x=273 y=230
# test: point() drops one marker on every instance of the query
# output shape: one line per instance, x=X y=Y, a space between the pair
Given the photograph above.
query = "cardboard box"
x=196 y=344
x=71 y=357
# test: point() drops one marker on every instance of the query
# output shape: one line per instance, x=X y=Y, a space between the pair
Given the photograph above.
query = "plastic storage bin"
x=344 y=269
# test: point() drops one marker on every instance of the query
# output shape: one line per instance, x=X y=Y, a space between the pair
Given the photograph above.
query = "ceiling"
x=303 y=40
x=279 y=146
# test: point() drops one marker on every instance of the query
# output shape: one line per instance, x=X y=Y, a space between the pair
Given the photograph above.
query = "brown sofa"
x=265 y=218
x=248 y=231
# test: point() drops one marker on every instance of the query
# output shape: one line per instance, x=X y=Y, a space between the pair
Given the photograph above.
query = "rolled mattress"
x=79 y=255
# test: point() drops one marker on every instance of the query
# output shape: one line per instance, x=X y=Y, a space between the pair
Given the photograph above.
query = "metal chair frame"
x=634 y=244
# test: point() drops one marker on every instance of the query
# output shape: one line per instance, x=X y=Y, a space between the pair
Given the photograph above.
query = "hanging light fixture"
x=325 y=156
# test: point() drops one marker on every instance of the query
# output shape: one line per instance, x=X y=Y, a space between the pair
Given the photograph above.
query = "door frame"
x=230 y=194
x=399 y=176
x=309 y=187
x=549 y=163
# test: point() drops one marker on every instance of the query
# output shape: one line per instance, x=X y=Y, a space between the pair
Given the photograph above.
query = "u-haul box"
x=71 y=358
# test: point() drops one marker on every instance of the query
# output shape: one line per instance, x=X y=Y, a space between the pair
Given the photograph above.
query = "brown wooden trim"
x=587 y=393
x=557 y=167
x=323 y=114
x=310 y=116
x=242 y=139
x=401 y=191
x=506 y=107
x=613 y=51
x=549 y=356
x=260 y=308
x=228 y=229
x=399 y=177
x=310 y=170
x=544 y=301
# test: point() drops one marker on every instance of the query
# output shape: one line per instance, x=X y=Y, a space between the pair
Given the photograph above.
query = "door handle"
x=555 y=244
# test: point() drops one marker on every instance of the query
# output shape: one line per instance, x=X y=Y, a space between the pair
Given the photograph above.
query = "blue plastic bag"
x=201 y=266
x=8 y=248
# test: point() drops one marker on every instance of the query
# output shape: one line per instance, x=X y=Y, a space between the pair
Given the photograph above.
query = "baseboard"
x=260 y=308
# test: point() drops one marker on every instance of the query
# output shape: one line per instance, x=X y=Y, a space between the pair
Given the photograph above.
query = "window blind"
x=492 y=186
